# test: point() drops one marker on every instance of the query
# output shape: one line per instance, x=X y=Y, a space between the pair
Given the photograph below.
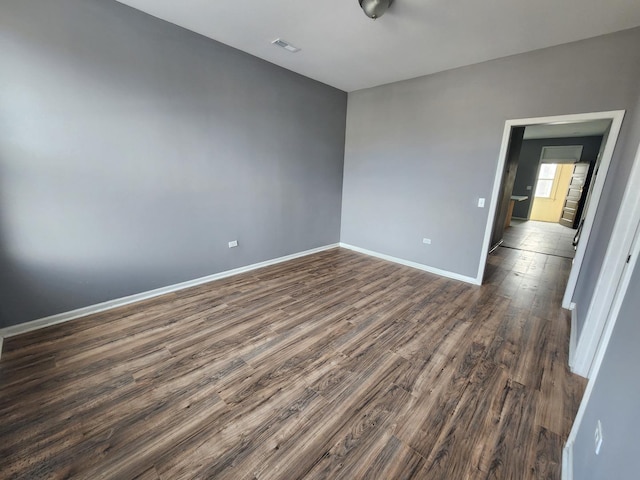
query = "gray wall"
x=419 y=153
x=607 y=212
x=132 y=151
x=615 y=401
x=530 y=160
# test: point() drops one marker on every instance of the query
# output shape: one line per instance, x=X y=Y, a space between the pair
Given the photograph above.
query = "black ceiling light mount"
x=375 y=8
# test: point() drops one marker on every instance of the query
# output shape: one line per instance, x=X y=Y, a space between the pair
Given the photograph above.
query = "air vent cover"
x=286 y=45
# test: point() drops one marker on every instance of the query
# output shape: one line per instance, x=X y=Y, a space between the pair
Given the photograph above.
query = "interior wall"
x=614 y=401
x=419 y=153
x=132 y=151
x=530 y=160
x=607 y=214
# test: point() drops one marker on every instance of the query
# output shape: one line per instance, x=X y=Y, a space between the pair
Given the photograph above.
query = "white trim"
x=119 y=302
x=493 y=200
x=590 y=214
x=615 y=310
x=567 y=453
x=629 y=214
x=611 y=273
x=564 y=160
x=616 y=117
x=573 y=335
x=567 y=462
x=408 y=263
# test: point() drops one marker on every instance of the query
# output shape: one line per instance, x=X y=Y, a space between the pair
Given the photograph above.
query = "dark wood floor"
x=540 y=237
x=336 y=365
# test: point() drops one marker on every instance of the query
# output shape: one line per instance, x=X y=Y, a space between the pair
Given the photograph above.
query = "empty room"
x=291 y=240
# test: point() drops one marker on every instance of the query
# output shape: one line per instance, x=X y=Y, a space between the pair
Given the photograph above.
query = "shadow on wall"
x=49 y=229
x=132 y=151
x=33 y=282
x=20 y=292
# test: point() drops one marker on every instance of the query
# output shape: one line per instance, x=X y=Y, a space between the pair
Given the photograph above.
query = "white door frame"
x=625 y=241
x=597 y=320
x=616 y=117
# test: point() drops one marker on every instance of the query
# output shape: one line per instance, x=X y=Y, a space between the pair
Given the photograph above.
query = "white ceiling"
x=342 y=47
x=564 y=130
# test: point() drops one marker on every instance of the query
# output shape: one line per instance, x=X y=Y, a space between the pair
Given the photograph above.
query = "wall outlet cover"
x=481 y=203
x=233 y=244
x=426 y=241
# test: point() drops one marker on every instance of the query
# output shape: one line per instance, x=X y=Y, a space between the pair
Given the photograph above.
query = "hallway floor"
x=540 y=237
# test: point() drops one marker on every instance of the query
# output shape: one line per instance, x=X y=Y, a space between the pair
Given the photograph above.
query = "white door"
x=623 y=247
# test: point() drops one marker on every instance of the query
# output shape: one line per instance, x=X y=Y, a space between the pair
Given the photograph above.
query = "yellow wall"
x=550 y=209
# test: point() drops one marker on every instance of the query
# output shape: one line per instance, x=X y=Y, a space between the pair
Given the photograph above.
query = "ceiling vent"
x=286 y=45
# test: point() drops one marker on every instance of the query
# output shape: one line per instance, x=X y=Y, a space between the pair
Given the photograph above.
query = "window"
x=545 y=180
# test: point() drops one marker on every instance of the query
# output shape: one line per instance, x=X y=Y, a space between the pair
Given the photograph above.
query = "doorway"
x=558 y=189
x=548 y=177
x=565 y=161
x=504 y=189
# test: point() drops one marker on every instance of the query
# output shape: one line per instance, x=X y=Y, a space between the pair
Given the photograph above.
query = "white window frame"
x=546 y=179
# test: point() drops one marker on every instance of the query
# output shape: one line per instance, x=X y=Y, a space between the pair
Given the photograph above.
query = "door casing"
x=616 y=117
x=616 y=275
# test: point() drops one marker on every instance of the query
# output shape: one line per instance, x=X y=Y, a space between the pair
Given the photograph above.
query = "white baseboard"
x=573 y=335
x=419 y=266
x=119 y=302
x=567 y=462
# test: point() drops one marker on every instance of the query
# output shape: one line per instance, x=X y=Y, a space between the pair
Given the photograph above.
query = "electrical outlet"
x=598 y=437
x=529 y=187
x=481 y=203
x=426 y=241
x=233 y=244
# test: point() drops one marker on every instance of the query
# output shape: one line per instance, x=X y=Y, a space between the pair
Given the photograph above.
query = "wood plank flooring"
x=336 y=366
x=541 y=237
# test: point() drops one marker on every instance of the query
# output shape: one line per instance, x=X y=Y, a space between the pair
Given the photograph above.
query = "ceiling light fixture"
x=375 y=8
